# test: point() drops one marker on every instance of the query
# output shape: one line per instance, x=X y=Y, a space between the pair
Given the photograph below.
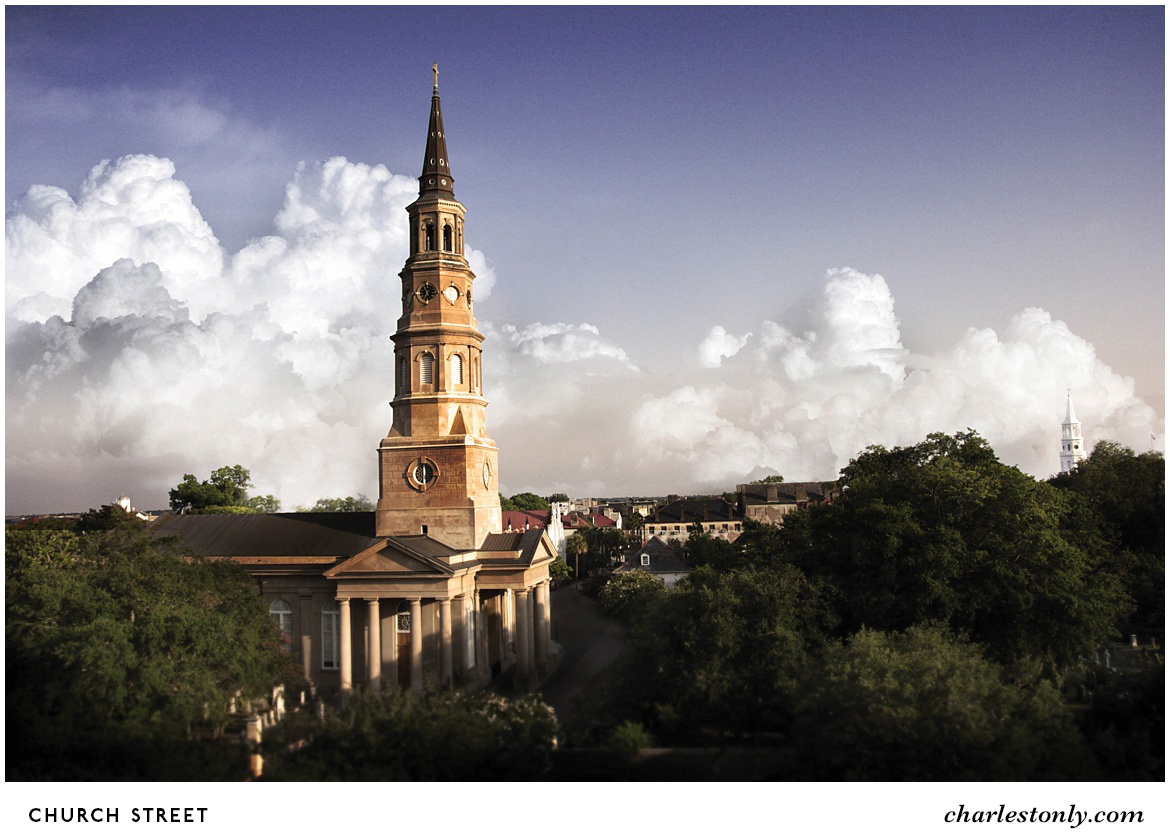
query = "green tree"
x=560 y=572
x=626 y=590
x=922 y=706
x=575 y=547
x=113 y=637
x=529 y=502
x=108 y=517
x=942 y=531
x=361 y=503
x=266 y=504
x=724 y=650
x=557 y=498
x=1126 y=492
x=507 y=505
x=225 y=492
x=769 y=478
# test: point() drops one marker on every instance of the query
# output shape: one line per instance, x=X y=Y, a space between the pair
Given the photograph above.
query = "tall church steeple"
x=436 y=173
x=1072 y=446
x=437 y=466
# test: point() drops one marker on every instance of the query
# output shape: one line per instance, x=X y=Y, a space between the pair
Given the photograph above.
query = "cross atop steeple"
x=435 y=70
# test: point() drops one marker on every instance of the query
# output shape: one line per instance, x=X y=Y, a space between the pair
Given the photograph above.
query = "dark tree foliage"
x=943 y=532
x=114 y=637
x=1126 y=725
x=108 y=517
x=922 y=706
x=1127 y=493
x=557 y=498
x=724 y=649
x=388 y=737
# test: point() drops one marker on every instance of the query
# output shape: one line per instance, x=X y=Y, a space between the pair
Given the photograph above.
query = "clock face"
x=451 y=293
x=422 y=473
x=468 y=297
x=487 y=473
x=427 y=292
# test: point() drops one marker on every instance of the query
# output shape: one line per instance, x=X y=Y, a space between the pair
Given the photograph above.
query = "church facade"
x=428 y=590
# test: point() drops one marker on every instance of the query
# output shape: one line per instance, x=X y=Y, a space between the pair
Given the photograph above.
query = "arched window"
x=430 y=236
x=447 y=244
x=457 y=369
x=413 y=239
x=403 y=375
x=281 y=614
x=426 y=368
x=330 y=636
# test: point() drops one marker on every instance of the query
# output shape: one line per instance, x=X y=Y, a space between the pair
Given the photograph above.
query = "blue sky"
x=657 y=174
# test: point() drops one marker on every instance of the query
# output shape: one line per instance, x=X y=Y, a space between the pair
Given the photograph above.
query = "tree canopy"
x=112 y=636
x=361 y=503
x=226 y=491
x=1126 y=492
x=943 y=532
x=923 y=706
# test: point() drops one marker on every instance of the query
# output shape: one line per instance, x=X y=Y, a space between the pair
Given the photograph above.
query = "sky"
x=711 y=243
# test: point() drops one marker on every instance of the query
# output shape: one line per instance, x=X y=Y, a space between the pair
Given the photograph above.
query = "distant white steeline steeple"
x=1072 y=446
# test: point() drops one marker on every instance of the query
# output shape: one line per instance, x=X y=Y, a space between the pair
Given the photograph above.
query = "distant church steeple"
x=1072 y=445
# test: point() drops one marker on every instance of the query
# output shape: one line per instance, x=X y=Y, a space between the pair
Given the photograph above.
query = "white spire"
x=1072 y=445
x=1070 y=417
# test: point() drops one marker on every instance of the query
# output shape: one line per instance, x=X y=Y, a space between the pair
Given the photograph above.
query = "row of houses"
x=673 y=518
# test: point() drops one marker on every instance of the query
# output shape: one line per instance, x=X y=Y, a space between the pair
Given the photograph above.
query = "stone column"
x=416 y=684
x=444 y=642
x=346 y=647
x=374 y=651
x=540 y=628
x=523 y=640
x=307 y=627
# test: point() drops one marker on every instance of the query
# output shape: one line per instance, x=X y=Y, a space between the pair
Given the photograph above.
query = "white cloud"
x=718 y=344
x=138 y=350
x=805 y=404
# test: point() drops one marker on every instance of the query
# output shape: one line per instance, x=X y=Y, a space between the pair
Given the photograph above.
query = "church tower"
x=437 y=466
x=1072 y=446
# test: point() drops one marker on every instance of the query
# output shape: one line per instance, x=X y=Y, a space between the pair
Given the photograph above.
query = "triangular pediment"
x=386 y=558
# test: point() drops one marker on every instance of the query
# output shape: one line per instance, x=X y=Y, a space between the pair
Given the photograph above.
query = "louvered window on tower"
x=426 y=368
x=457 y=369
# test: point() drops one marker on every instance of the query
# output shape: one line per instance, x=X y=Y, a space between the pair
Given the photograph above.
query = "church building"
x=428 y=590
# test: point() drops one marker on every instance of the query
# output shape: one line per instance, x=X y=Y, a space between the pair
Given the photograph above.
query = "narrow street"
x=589 y=641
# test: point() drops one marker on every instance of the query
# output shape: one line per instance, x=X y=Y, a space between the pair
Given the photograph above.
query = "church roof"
x=322 y=535
x=510 y=547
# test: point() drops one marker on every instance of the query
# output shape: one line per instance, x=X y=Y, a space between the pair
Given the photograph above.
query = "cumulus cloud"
x=718 y=344
x=138 y=349
x=804 y=404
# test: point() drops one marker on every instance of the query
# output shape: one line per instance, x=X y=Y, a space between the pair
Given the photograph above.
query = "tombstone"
x=321 y=710
x=1133 y=640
